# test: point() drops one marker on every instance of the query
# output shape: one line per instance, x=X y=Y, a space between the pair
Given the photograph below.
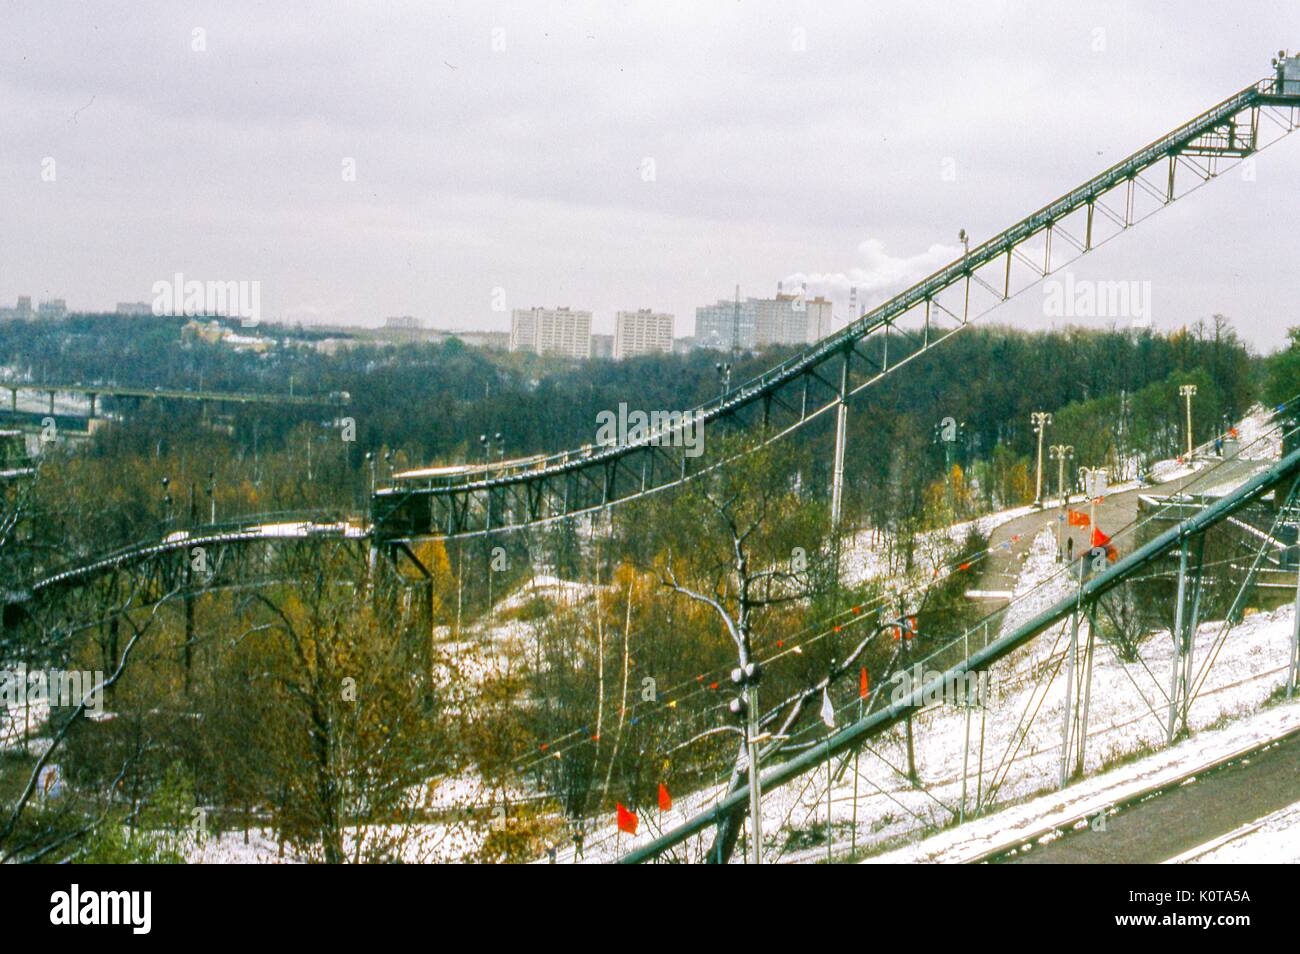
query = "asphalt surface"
x=1184 y=818
x=1116 y=511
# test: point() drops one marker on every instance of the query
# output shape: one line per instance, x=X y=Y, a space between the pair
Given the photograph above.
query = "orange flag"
x=1078 y=518
x=1099 y=539
x=626 y=819
x=864 y=683
x=665 y=800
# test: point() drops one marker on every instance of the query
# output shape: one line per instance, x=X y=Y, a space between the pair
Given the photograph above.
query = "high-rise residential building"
x=642 y=332
x=727 y=325
x=758 y=322
x=819 y=318
x=523 y=329
x=551 y=331
x=54 y=308
x=24 y=309
x=781 y=320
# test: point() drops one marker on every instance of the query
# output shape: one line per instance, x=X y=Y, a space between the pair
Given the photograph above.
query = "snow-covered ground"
x=1126 y=716
x=866 y=555
x=1087 y=799
x=1271 y=840
x=452 y=836
x=871 y=804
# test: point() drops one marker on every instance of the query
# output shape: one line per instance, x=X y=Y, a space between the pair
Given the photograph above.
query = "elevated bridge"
x=477 y=499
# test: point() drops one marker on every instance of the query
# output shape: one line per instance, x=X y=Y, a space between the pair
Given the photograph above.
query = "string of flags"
x=627 y=820
x=905 y=632
x=554 y=748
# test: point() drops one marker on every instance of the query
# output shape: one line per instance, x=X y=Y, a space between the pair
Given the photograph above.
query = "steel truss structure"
x=183 y=571
x=189 y=561
x=1187 y=677
x=824 y=376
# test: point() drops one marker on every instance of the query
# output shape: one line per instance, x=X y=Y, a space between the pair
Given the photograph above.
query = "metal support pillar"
x=965 y=760
x=755 y=793
x=1295 y=644
x=1176 y=668
x=1072 y=652
x=1189 y=631
x=841 y=432
x=1087 y=688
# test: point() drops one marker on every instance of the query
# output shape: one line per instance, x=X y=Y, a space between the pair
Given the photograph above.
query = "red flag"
x=1078 y=518
x=864 y=683
x=626 y=819
x=1099 y=539
x=665 y=800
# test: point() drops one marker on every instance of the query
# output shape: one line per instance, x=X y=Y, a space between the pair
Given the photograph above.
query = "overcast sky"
x=612 y=155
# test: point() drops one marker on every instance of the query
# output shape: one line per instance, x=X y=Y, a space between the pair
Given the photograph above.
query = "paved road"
x=1186 y=817
x=1114 y=513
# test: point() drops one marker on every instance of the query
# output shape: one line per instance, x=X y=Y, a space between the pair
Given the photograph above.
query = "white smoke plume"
x=878 y=277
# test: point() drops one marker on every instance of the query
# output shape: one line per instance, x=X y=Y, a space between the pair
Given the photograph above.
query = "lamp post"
x=724 y=376
x=1061 y=453
x=948 y=433
x=1040 y=421
x=1188 y=391
x=167 y=502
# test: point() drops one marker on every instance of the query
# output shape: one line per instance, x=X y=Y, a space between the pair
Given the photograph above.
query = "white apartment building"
x=551 y=331
x=819 y=318
x=642 y=332
x=758 y=322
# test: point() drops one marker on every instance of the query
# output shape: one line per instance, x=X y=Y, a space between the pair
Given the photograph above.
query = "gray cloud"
x=522 y=167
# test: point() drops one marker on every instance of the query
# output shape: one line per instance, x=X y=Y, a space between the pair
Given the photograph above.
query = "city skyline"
x=688 y=150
